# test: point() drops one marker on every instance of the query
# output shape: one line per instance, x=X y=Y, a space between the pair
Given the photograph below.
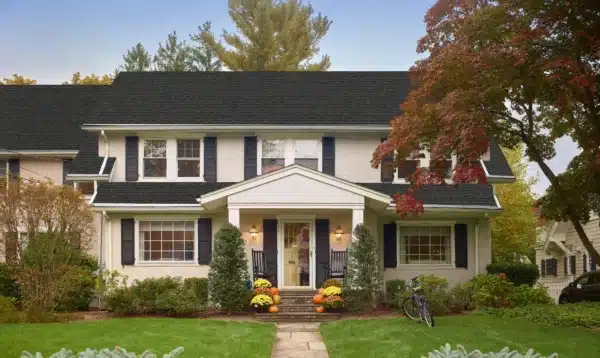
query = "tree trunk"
x=576 y=224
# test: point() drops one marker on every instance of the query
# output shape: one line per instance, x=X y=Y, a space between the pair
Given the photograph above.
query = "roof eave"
x=225 y=128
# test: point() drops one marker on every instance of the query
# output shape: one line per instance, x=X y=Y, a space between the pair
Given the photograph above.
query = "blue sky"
x=50 y=40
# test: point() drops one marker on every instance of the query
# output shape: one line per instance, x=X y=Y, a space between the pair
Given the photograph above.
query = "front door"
x=296 y=241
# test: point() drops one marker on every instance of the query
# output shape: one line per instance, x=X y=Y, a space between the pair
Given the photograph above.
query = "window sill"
x=167 y=264
x=425 y=266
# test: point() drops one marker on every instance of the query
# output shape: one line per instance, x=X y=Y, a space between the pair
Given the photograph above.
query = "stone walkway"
x=299 y=340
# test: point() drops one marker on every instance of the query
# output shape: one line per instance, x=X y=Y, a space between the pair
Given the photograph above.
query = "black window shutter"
x=461 y=250
x=127 y=242
x=555 y=267
x=11 y=251
x=565 y=266
x=585 y=262
x=387 y=172
x=328 y=164
x=131 y=158
x=573 y=265
x=66 y=167
x=14 y=167
x=204 y=241
x=270 y=246
x=390 y=246
x=593 y=265
x=543 y=268
x=210 y=159
x=250 y=153
x=321 y=248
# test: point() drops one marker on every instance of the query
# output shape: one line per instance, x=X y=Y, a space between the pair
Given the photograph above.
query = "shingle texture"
x=238 y=98
x=154 y=193
x=497 y=165
x=461 y=194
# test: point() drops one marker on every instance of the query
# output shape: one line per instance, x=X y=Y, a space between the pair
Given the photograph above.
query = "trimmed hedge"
x=393 y=288
x=517 y=273
x=586 y=314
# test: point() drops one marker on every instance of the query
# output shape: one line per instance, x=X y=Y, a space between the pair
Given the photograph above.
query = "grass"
x=401 y=337
x=200 y=338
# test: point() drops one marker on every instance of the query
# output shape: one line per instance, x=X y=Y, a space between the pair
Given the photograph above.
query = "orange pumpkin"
x=274 y=291
x=276 y=299
x=320 y=309
x=321 y=291
x=273 y=309
x=318 y=299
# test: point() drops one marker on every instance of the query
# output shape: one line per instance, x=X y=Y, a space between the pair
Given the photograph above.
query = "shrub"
x=358 y=300
x=333 y=302
x=517 y=273
x=165 y=295
x=199 y=286
x=492 y=291
x=364 y=271
x=8 y=311
x=105 y=353
x=585 y=314
x=461 y=297
x=8 y=284
x=331 y=282
x=526 y=295
x=229 y=270
x=392 y=289
x=436 y=290
x=460 y=352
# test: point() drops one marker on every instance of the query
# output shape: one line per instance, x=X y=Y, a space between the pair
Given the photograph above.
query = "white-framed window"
x=160 y=241
x=273 y=155
x=427 y=244
x=188 y=158
x=306 y=153
x=276 y=153
x=171 y=159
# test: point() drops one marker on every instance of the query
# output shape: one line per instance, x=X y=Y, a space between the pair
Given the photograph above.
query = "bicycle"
x=416 y=307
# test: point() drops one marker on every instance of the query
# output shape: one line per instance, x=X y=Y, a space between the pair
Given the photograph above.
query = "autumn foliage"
x=522 y=71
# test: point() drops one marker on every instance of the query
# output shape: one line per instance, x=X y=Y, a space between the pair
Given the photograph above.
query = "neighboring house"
x=560 y=255
x=169 y=158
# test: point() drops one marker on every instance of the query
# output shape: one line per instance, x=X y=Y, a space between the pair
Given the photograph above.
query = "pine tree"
x=172 y=55
x=229 y=271
x=364 y=277
x=272 y=35
x=137 y=59
x=202 y=57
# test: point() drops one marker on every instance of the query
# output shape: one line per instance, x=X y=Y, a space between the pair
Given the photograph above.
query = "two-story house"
x=168 y=158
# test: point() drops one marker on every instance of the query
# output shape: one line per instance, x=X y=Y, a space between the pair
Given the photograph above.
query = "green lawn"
x=401 y=337
x=200 y=338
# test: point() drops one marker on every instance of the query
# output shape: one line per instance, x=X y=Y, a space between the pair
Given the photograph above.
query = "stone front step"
x=296 y=307
x=297 y=297
x=297 y=317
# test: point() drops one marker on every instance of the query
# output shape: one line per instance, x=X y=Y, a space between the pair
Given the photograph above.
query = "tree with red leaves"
x=522 y=71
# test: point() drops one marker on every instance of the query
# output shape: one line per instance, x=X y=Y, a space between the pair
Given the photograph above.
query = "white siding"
x=353 y=159
x=230 y=159
x=42 y=169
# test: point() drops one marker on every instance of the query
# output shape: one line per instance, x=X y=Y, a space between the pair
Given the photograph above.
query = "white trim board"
x=225 y=128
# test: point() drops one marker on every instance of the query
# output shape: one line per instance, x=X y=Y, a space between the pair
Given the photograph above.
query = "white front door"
x=296 y=254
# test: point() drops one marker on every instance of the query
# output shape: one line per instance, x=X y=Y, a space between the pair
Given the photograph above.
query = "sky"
x=50 y=40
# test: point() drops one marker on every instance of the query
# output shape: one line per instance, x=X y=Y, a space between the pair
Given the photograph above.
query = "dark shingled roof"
x=461 y=194
x=154 y=193
x=46 y=117
x=186 y=193
x=238 y=98
x=497 y=165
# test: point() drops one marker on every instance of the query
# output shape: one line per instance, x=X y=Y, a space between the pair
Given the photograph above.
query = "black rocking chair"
x=337 y=265
x=260 y=268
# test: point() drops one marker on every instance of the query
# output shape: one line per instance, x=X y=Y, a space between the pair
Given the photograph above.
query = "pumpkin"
x=317 y=299
x=321 y=291
x=274 y=291
x=276 y=299
x=320 y=309
x=273 y=309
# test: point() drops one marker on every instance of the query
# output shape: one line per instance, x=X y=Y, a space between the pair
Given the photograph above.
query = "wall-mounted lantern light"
x=338 y=233
x=253 y=232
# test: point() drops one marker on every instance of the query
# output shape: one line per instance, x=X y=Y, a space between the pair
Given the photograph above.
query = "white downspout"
x=108 y=241
x=477 y=247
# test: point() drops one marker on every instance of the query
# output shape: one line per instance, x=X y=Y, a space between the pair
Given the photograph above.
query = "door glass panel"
x=296 y=249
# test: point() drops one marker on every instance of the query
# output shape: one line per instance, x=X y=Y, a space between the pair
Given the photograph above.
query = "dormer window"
x=176 y=159
x=277 y=153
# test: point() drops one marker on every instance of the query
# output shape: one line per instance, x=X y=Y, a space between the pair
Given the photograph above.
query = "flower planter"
x=334 y=309
x=262 y=309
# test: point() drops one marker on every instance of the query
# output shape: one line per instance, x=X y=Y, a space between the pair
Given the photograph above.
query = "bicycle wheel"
x=411 y=309
x=427 y=316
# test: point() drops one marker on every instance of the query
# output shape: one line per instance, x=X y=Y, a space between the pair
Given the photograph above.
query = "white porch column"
x=358 y=217
x=234 y=216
